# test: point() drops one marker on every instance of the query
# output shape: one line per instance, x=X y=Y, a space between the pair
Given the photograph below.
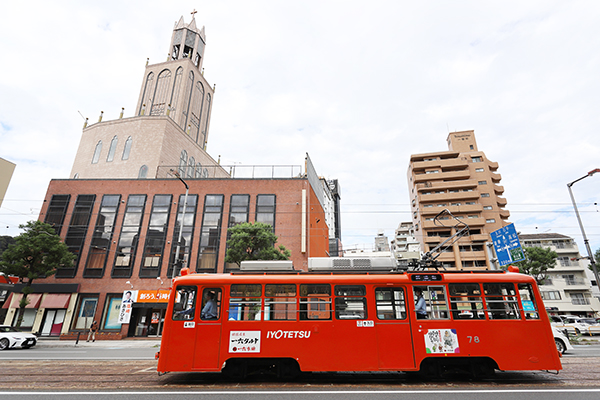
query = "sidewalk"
x=132 y=343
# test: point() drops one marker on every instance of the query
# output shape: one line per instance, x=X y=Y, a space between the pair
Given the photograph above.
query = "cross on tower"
x=193 y=12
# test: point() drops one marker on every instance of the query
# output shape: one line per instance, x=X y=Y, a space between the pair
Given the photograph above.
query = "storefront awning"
x=34 y=300
x=55 y=301
x=7 y=302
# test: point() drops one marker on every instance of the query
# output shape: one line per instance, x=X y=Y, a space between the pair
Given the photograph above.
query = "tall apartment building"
x=133 y=224
x=567 y=290
x=405 y=246
x=465 y=182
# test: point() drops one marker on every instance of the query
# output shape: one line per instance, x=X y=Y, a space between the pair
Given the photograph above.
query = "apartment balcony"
x=448 y=197
x=449 y=223
x=580 y=302
x=481 y=237
x=504 y=214
x=453 y=163
x=501 y=201
x=472 y=255
x=493 y=166
x=496 y=177
x=577 y=284
x=498 y=189
x=434 y=185
x=440 y=176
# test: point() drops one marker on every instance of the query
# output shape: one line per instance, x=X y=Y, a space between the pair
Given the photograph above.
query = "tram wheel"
x=288 y=370
x=482 y=369
x=236 y=370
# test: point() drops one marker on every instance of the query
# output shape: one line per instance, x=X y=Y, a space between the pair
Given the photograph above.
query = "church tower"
x=170 y=128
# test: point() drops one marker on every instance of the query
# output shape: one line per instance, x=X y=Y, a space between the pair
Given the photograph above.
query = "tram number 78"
x=473 y=339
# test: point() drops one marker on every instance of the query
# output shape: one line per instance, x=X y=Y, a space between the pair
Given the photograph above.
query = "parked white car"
x=11 y=338
x=571 y=323
x=562 y=341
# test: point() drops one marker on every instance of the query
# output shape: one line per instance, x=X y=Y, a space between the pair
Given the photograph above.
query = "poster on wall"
x=112 y=314
x=129 y=297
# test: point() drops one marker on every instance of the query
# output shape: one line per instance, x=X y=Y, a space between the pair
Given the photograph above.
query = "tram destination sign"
x=507 y=245
x=425 y=277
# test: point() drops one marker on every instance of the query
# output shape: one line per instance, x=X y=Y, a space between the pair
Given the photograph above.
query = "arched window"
x=205 y=131
x=143 y=174
x=147 y=92
x=127 y=149
x=175 y=93
x=191 y=165
x=205 y=173
x=183 y=163
x=198 y=170
x=196 y=113
x=96 y=156
x=112 y=149
x=76 y=176
x=161 y=93
x=187 y=96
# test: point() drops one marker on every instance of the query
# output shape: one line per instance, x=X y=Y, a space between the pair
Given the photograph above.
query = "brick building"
x=125 y=208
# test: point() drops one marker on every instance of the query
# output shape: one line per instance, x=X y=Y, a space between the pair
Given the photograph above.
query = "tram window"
x=280 y=302
x=245 y=302
x=465 y=301
x=211 y=304
x=436 y=301
x=353 y=304
x=528 y=301
x=501 y=300
x=185 y=303
x=315 y=301
x=390 y=303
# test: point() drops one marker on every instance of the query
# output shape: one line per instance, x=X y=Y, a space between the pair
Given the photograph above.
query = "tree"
x=537 y=262
x=5 y=241
x=254 y=241
x=36 y=253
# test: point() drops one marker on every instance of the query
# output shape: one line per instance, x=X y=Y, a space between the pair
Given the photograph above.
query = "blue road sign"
x=507 y=245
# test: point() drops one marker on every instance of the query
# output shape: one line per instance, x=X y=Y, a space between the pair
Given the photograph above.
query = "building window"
x=485 y=195
x=183 y=157
x=471 y=216
x=455 y=204
x=477 y=159
x=161 y=93
x=265 y=209
x=187 y=235
x=198 y=173
x=175 y=93
x=432 y=172
x=551 y=295
x=112 y=149
x=55 y=214
x=482 y=183
x=97 y=151
x=156 y=236
x=77 y=231
x=85 y=311
x=210 y=233
x=191 y=167
x=127 y=149
x=239 y=210
x=112 y=307
x=442 y=205
x=427 y=205
x=478 y=169
x=143 y=173
x=490 y=221
x=470 y=203
x=128 y=240
x=487 y=207
x=208 y=103
x=102 y=236
x=148 y=89
x=196 y=114
x=186 y=101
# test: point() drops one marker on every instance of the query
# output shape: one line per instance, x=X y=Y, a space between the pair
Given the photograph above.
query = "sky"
x=359 y=86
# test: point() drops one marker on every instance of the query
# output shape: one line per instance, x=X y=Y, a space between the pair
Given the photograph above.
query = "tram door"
x=394 y=339
x=208 y=330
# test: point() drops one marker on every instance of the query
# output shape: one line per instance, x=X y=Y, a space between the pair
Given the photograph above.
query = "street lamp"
x=177 y=263
x=585 y=239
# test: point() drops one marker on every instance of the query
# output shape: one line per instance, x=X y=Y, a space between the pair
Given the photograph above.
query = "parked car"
x=571 y=323
x=562 y=341
x=11 y=338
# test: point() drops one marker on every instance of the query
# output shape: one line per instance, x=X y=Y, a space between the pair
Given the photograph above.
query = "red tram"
x=477 y=321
